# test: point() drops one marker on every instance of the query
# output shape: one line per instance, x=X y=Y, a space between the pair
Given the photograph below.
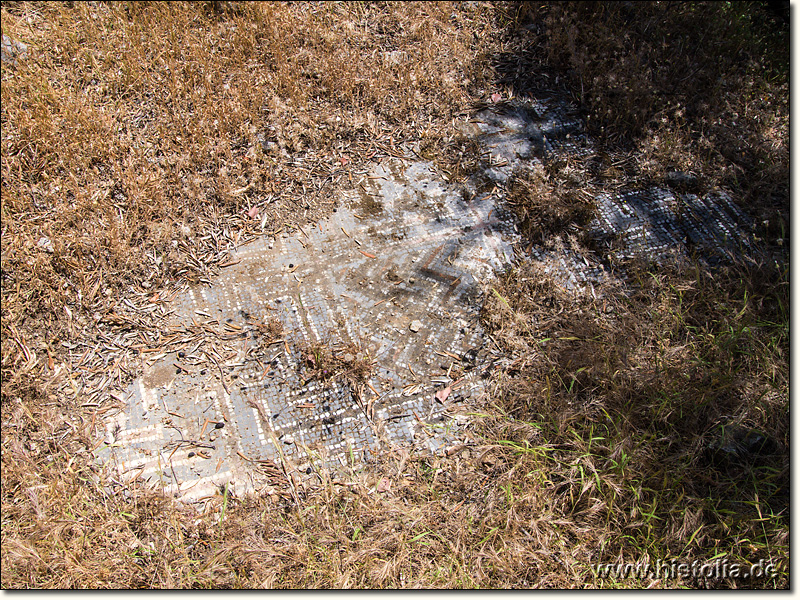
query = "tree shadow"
x=690 y=81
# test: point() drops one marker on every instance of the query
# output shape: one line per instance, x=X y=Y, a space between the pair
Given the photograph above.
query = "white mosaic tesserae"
x=399 y=283
x=395 y=276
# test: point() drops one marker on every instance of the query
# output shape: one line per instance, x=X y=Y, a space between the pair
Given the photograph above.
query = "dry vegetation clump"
x=551 y=200
x=695 y=87
x=630 y=394
x=348 y=363
x=458 y=157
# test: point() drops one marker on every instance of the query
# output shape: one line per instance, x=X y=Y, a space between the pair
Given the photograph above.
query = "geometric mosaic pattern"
x=658 y=223
x=393 y=277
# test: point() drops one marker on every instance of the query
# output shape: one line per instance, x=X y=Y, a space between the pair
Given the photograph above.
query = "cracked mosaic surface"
x=394 y=276
x=397 y=284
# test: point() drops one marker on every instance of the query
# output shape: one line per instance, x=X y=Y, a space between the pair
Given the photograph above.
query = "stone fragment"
x=394 y=57
x=12 y=50
x=733 y=444
x=45 y=244
x=681 y=180
x=415 y=326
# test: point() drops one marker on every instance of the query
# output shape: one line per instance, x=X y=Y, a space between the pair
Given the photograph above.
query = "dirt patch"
x=369 y=205
x=160 y=375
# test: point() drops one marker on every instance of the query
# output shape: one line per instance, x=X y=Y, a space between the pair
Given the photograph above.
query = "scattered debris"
x=45 y=244
x=330 y=299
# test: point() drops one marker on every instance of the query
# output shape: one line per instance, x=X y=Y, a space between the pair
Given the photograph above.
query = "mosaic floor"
x=393 y=276
x=394 y=279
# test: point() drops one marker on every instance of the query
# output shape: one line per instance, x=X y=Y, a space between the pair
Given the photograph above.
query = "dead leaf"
x=442 y=395
x=383 y=485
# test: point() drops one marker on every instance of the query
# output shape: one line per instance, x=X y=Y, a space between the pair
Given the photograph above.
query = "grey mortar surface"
x=395 y=275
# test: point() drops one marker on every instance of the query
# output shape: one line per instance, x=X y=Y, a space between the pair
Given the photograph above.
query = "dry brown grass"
x=631 y=390
x=696 y=87
x=139 y=138
x=551 y=200
x=346 y=363
x=135 y=127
